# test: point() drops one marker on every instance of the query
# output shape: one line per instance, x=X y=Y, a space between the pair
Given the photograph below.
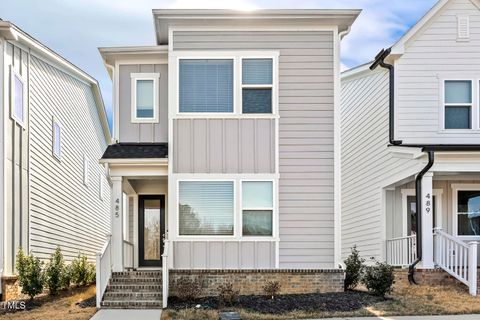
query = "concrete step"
x=134 y=288
x=135 y=281
x=139 y=304
x=132 y=296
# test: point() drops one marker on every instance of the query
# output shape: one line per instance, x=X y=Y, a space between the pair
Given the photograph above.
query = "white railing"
x=104 y=269
x=165 y=273
x=402 y=251
x=127 y=254
x=457 y=258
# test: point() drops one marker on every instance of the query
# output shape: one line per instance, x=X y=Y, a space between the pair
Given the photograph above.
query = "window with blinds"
x=206 y=85
x=257 y=84
x=206 y=208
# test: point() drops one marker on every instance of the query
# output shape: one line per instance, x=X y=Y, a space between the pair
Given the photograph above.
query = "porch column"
x=117 y=224
x=427 y=221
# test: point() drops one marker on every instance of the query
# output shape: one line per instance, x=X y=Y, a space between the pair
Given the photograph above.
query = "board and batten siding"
x=434 y=53
x=306 y=130
x=142 y=132
x=16 y=164
x=63 y=211
x=367 y=165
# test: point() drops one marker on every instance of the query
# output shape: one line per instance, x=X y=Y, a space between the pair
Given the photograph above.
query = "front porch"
x=450 y=224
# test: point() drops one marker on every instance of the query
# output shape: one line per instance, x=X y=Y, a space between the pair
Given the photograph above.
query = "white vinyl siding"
x=63 y=212
x=433 y=55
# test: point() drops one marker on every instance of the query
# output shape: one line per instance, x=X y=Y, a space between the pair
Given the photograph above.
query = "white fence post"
x=98 y=279
x=472 y=267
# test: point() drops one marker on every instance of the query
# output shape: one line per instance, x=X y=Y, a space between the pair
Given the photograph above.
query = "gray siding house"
x=227 y=147
x=53 y=130
x=410 y=155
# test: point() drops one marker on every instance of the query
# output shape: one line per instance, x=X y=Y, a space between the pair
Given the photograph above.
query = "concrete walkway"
x=454 y=317
x=127 y=314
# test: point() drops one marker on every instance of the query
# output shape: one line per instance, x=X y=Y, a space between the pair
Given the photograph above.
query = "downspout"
x=380 y=61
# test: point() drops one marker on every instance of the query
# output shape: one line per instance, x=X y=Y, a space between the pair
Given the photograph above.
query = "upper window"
x=468 y=212
x=145 y=97
x=257 y=84
x=458 y=104
x=206 y=85
x=257 y=208
x=18 y=97
x=56 y=139
x=206 y=208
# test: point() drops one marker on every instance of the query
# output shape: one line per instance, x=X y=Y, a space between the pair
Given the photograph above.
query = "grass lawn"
x=405 y=300
x=64 y=306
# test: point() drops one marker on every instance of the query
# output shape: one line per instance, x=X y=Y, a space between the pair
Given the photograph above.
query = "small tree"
x=354 y=268
x=54 y=272
x=227 y=295
x=79 y=270
x=272 y=288
x=379 y=278
x=30 y=274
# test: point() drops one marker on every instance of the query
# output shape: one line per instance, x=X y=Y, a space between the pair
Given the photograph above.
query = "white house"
x=227 y=153
x=411 y=139
x=53 y=130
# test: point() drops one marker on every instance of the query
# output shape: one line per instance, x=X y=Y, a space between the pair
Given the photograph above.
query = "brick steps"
x=134 y=290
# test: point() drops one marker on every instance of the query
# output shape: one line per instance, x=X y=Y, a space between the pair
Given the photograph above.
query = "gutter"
x=429 y=149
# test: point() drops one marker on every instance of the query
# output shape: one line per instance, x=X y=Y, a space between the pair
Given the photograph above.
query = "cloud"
x=75 y=28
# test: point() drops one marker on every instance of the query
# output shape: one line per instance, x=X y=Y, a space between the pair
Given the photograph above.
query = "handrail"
x=401 y=251
x=103 y=269
x=457 y=258
x=165 y=273
x=127 y=254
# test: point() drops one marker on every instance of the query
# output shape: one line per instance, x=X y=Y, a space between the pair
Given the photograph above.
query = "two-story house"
x=53 y=130
x=227 y=154
x=411 y=147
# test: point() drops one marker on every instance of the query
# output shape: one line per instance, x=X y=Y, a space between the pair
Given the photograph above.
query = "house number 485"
x=117 y=208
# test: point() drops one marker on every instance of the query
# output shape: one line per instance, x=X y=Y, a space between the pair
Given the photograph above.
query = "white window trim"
x=274 y=216
x=437 y=193
x=237 y=201
x=455 y=188
x=86 y=170
x=13 y=74
x=144 y=76
x=57 y=156
x=237 y=57
x=474 y=106
x=257 y=86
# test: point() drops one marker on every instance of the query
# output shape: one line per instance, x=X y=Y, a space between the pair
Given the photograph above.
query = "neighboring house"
x=53 y=130
x=435 y=115
x=228 y=152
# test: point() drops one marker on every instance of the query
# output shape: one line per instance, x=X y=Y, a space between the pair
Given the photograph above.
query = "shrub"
x=54 y=272
x=354 y=268
x=379 y=278
x=30 y=275
x=92 y=274
x=271 y=288
x=227 y=296
x=66 y=277
x=188 y=289
x=80 y=271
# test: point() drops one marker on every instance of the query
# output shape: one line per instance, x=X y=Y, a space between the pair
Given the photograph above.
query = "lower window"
x=206 y=208
x=468 y=212
x=257 y=212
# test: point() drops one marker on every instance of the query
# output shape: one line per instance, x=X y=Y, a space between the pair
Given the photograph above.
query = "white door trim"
x=437 y=193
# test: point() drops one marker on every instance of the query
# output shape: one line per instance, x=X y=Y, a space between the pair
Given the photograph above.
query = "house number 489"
x=428 y=203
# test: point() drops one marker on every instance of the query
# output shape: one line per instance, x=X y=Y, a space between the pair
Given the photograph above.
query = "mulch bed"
x=88 y=303
x=341 y=301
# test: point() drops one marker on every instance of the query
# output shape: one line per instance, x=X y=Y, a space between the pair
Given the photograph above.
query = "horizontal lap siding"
x=433 y=54
x=306 y=99
x=367 y=165
x=64 y=212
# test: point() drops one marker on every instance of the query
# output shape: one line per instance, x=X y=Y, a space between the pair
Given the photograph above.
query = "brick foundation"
x=252 y=281
x=426 y=277
x=10 y=288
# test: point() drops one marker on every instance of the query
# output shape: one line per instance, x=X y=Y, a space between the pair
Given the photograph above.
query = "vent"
x=463 y=28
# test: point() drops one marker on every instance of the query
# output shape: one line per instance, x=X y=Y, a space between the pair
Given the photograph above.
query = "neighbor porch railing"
x=402 y=251
x=127 y=254
x=104 y=269
x=457 y=258
x=165 y=273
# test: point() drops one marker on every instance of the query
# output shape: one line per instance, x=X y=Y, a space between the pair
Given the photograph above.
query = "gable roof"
x=166 y=18
x=11 y=32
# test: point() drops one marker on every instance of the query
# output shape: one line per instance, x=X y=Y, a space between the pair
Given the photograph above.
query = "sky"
x=76 y=28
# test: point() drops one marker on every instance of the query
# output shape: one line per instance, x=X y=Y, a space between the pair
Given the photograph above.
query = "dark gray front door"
x=151 y=229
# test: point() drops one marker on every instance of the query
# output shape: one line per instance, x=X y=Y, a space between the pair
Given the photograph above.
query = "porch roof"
x=136 y=151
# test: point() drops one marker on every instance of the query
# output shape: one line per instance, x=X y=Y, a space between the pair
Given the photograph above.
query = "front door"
x=412 y=214
x=151 y=230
